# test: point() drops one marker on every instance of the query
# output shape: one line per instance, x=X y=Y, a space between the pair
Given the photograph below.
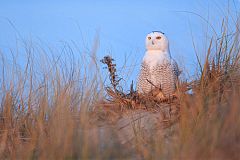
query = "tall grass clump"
x=45 y=104
x=210 y=117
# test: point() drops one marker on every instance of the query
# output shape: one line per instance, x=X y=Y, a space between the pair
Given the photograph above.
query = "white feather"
x=154 y=57
x=157 y=66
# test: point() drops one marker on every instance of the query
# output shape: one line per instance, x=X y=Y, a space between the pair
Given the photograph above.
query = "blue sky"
x=121 y=25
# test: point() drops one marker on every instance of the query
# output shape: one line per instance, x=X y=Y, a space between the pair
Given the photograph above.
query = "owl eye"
x=158 y=37
x=149 y=38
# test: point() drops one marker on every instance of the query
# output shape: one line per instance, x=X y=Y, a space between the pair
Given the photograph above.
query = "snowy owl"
x=158 y=69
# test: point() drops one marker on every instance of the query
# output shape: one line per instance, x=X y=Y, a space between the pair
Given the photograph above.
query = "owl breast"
x=159 y=75
x=164 y=79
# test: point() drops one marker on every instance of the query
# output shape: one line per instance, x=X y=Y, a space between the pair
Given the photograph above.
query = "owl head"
x=156 y=40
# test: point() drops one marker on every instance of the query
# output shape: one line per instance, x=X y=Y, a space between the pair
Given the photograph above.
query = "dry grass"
x=53 y=111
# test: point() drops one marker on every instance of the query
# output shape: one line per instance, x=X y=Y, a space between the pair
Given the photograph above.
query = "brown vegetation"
x=64 y=114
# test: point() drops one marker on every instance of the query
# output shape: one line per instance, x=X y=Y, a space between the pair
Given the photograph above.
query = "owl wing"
x=175 y=68
x=143 y=85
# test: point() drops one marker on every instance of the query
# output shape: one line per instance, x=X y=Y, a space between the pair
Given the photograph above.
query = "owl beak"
x=152 y=43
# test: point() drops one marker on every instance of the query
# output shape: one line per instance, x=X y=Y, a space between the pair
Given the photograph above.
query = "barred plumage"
x=162 y=76
x=158 y=69
x=143 y=85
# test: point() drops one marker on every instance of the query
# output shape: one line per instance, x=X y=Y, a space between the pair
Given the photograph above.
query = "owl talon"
x=160 y=97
